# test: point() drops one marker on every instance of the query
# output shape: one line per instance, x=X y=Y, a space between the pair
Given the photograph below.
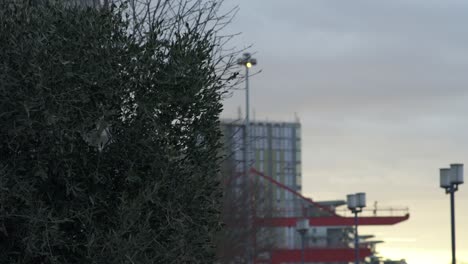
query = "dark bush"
x=109 y=132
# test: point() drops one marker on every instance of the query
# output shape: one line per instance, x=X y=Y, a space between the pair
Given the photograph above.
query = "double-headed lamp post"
x=302 y=226
x=355 y=203
x=450 y=178
x=247 y=61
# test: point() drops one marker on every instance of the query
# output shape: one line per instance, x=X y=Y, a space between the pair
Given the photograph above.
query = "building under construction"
x=263 y=203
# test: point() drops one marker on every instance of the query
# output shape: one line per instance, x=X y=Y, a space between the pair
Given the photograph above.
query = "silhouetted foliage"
x=109 y=132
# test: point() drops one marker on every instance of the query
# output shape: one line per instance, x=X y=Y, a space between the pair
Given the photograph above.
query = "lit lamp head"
x=247 y=60
x=456 y=174
x=445 y=178
x=250 y=63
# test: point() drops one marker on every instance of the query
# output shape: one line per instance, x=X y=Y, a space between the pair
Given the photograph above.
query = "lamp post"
x=355 y=203
x=302 y=226
x=450 y=178
x=247 y=61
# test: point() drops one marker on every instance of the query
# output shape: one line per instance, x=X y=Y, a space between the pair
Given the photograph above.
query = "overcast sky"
x=381 y=89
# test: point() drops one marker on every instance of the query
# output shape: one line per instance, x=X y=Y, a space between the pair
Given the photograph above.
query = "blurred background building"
x=275 y=150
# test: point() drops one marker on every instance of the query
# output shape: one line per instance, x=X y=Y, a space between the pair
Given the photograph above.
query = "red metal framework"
x=328 y=219
x=317 y=255
x=332 y=220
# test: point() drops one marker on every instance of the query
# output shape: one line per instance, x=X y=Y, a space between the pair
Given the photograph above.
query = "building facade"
x=275 y=150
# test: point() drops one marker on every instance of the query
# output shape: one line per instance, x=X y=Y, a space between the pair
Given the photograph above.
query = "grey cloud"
x=337 y=54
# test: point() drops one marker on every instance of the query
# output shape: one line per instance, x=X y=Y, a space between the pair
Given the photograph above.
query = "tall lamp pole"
x=247 y=61
x=450 y=178
x=355 y=203
x=302 y=226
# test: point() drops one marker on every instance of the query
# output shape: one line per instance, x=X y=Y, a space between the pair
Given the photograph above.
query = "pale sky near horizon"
x=381 y=89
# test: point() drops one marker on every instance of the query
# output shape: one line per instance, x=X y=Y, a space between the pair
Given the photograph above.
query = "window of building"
x=287 y=180
x=276 y=144
x=238 y=155
x=252 y=131
x=287 y=132
x=298 y=156
x=298 y=144
x=277 y=131
x=287 y=143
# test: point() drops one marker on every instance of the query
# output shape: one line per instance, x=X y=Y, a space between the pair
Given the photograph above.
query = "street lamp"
x=355 y=203
x=247 y=61
x=450 y=178
x=302 y=226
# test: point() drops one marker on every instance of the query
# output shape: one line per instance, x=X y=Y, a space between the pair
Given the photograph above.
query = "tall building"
x=275 y=150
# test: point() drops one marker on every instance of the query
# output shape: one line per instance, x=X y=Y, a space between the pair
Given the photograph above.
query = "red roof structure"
x=327 y=218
